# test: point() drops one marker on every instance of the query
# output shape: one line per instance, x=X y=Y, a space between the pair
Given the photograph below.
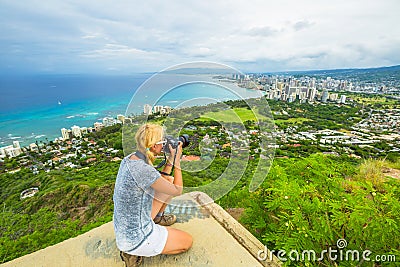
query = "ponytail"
x=147 y=136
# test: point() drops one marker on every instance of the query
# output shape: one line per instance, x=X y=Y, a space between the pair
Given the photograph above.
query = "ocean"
x=35 y=108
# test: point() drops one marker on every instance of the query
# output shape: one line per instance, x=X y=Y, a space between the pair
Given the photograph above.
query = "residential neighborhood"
x=376 y=134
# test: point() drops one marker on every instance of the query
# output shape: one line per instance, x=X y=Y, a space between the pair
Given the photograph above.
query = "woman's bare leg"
x=160 y=202
x=178 y=241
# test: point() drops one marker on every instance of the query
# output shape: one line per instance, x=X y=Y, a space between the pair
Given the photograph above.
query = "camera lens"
x=184 y=139
x=174 y=142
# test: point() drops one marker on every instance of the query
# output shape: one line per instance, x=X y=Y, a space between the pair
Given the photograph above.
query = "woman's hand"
x=177 y=151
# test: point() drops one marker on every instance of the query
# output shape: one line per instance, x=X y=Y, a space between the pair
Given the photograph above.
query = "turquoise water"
x=36 y=108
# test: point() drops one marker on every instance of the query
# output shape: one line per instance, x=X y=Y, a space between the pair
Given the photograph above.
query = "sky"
x=131 y=36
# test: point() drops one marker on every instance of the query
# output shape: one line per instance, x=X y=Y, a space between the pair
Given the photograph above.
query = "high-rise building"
x=270 y=95
x=280 y=86
x=342 y=99
x=343 y=85
x=283 y=96
x=121 y=118
x=349 y=86
x=325 y=96
x=157 y=109
x=16 y=144
x=311 y=93
x=167 y=109
x=312 y=82
x=66 y=134
x=84 y=130
x=76 y=131
x=303 y=95
x=147 y=109
x=292 y=91
x=11 y=150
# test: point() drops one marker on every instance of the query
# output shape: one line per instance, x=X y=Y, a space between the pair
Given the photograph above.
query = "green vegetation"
x=69 y=203
x=308 y=200
x=375 y=101
x=290 y=121
x=317 y=117
x=233 y=115
x=310 y=203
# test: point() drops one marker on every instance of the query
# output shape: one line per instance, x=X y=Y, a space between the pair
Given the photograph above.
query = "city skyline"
x=127 y=37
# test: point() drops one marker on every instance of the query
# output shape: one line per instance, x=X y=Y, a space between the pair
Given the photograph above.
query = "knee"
x=188 y=243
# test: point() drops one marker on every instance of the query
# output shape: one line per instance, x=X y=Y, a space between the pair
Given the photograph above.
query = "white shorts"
x=154 y=243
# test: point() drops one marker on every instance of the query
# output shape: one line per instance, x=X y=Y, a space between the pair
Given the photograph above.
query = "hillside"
x=391 y=73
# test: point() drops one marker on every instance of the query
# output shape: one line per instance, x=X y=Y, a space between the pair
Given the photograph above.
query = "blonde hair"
x=146 y=136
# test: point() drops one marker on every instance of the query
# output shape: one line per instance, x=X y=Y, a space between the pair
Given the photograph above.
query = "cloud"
x=264 y=31
x=92 y=36
x=303 y=24
x=86 y=36
x=115 y=50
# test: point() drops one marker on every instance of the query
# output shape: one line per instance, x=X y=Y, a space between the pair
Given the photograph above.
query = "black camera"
x=174 y=142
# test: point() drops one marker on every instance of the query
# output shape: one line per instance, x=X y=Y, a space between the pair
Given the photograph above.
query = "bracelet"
x=169 y=164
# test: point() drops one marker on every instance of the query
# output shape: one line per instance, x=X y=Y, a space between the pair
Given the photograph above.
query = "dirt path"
x=395 y=173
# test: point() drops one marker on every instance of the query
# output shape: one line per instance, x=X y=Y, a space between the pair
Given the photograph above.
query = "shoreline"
x=85 y=117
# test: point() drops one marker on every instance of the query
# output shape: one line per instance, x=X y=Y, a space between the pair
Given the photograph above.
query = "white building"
x=333 y=97
x=342 y=99
x=84 y=130
x=66 y=134
x=325 y=96
x=166 y=110
x=121 y=118
x=98 y=126
x=147 y=109
x=311 y=94
x=33 y=147
x=108 y=121
x=76 y=131
x=157 y=109
x=11 y=150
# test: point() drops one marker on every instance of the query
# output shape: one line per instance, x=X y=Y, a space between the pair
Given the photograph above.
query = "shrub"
x=303 y=205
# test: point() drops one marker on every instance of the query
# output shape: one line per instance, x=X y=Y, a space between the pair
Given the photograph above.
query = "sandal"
x=130 y=260
x=165 y=219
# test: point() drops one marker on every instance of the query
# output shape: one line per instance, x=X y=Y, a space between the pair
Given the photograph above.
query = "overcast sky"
x=139 y=36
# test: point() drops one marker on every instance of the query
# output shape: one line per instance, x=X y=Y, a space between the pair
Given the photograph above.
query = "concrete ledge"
x=219 y=240
x=241 y=234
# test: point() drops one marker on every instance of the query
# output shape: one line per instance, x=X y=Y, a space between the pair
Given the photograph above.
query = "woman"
x=140 y=197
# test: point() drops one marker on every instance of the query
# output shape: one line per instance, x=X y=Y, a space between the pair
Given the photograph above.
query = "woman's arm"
x=162 y=184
